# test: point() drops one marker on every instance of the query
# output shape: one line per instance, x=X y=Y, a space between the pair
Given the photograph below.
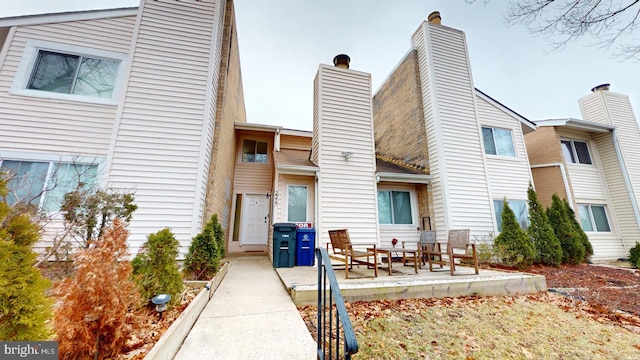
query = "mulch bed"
x=609 y=287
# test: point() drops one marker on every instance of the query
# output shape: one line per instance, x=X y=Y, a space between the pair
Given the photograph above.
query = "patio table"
x=388 y=250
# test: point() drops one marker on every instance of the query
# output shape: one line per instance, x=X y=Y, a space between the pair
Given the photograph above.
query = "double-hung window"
x=519 y=208
x=297 y=203
x=44 y=184
x=254 y=151
x=67 y=72
x=593 y=218
x=498 y=142
x=576 y=152
x=394 y=207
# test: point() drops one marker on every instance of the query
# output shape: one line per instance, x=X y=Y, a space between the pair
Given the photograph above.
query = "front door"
x=255 y=220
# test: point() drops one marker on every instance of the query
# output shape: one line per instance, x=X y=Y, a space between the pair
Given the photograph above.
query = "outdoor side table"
x=388 y=250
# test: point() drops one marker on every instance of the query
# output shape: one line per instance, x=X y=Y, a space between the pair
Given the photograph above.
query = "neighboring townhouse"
x=593 y=163
x=428 y=114
x=138 y=99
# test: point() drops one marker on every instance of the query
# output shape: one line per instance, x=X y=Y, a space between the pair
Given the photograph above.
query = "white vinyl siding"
x=347 y=188
x=460 y=189
x=47 y=125
x=164 y=134
x=615 y=109
x=508 y=176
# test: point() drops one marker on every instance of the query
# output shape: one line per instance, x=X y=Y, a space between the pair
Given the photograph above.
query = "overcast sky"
x=283 y=41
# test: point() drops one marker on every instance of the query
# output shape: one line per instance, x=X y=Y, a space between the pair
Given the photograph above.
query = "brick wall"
x=398 y=116
x=230 y=108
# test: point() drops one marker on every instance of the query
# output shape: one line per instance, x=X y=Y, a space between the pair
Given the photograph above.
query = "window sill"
x=65 y=97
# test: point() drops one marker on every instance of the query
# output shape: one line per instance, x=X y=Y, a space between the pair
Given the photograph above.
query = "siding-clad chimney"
x=343 y=148
x=460 y=185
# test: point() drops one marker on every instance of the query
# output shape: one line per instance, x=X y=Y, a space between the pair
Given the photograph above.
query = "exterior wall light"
x=346 y=154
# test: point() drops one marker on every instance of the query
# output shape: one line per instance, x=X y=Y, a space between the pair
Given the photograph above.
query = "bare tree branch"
x=609 y=24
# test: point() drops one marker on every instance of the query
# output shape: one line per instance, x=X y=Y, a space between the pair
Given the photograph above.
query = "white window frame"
x=592 y=219
x=414 y=208
x=55 y=158
x=306 y=215
x=574 y=152
x=498 y=217
x=30 y=57
x=493 y=138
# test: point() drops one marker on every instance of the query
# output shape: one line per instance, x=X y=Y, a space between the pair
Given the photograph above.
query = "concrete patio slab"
x=405 y=284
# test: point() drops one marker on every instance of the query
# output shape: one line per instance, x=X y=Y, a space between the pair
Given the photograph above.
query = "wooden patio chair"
x=342 y=250
x=428 y=248
x=458 y=247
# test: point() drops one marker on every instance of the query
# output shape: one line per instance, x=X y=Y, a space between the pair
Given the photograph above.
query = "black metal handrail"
x=330 y=300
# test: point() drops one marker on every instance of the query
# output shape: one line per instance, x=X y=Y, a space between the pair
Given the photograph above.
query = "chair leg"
x=346 y=266
x=475 y=262
x=452 y=263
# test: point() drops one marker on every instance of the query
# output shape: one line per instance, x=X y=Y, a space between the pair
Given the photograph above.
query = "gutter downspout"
x=627 y=180
x=564 y=179
x=317 y=212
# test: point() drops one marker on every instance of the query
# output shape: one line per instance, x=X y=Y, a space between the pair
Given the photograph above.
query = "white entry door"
x=255 y=220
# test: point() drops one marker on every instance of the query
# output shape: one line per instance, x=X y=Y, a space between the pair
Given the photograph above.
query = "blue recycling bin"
x=305 y=246
x=284 y=244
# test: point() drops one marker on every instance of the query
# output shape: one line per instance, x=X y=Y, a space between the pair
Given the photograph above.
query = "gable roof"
x=67 y=16
x=528 y=123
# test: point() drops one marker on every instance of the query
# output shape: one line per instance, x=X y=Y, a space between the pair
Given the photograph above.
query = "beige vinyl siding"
x=166 y=119
x=621 y=208
x=508 y=177
x=253 y=177
x=347 y=188
x=295 y=142
x=60 y=126
x=593 y=109
x=452 y=128
x=586 y=182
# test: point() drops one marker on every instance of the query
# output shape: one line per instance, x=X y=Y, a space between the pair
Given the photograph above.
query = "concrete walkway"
x=250 y=316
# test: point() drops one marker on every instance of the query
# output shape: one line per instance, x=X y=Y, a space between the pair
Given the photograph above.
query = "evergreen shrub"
x=155 y=268
x=573 y=250
x=547 y=246
x=512 y=245
x=206 y=251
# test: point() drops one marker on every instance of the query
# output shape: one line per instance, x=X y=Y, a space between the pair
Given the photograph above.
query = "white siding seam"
x=196 y=221
x=474 y=98
x=435 y=114
x=125 y=86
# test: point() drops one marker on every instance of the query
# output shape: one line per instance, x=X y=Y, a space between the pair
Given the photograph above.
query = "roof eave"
x=404 y=178
x=67 y=16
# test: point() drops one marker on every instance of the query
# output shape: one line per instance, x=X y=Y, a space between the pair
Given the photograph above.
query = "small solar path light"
x=161 y=301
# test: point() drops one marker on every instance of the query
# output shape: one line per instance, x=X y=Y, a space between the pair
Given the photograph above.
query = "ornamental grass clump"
x=512 y=245
x=155 y=268
x=547 y=246
x=206 y=251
